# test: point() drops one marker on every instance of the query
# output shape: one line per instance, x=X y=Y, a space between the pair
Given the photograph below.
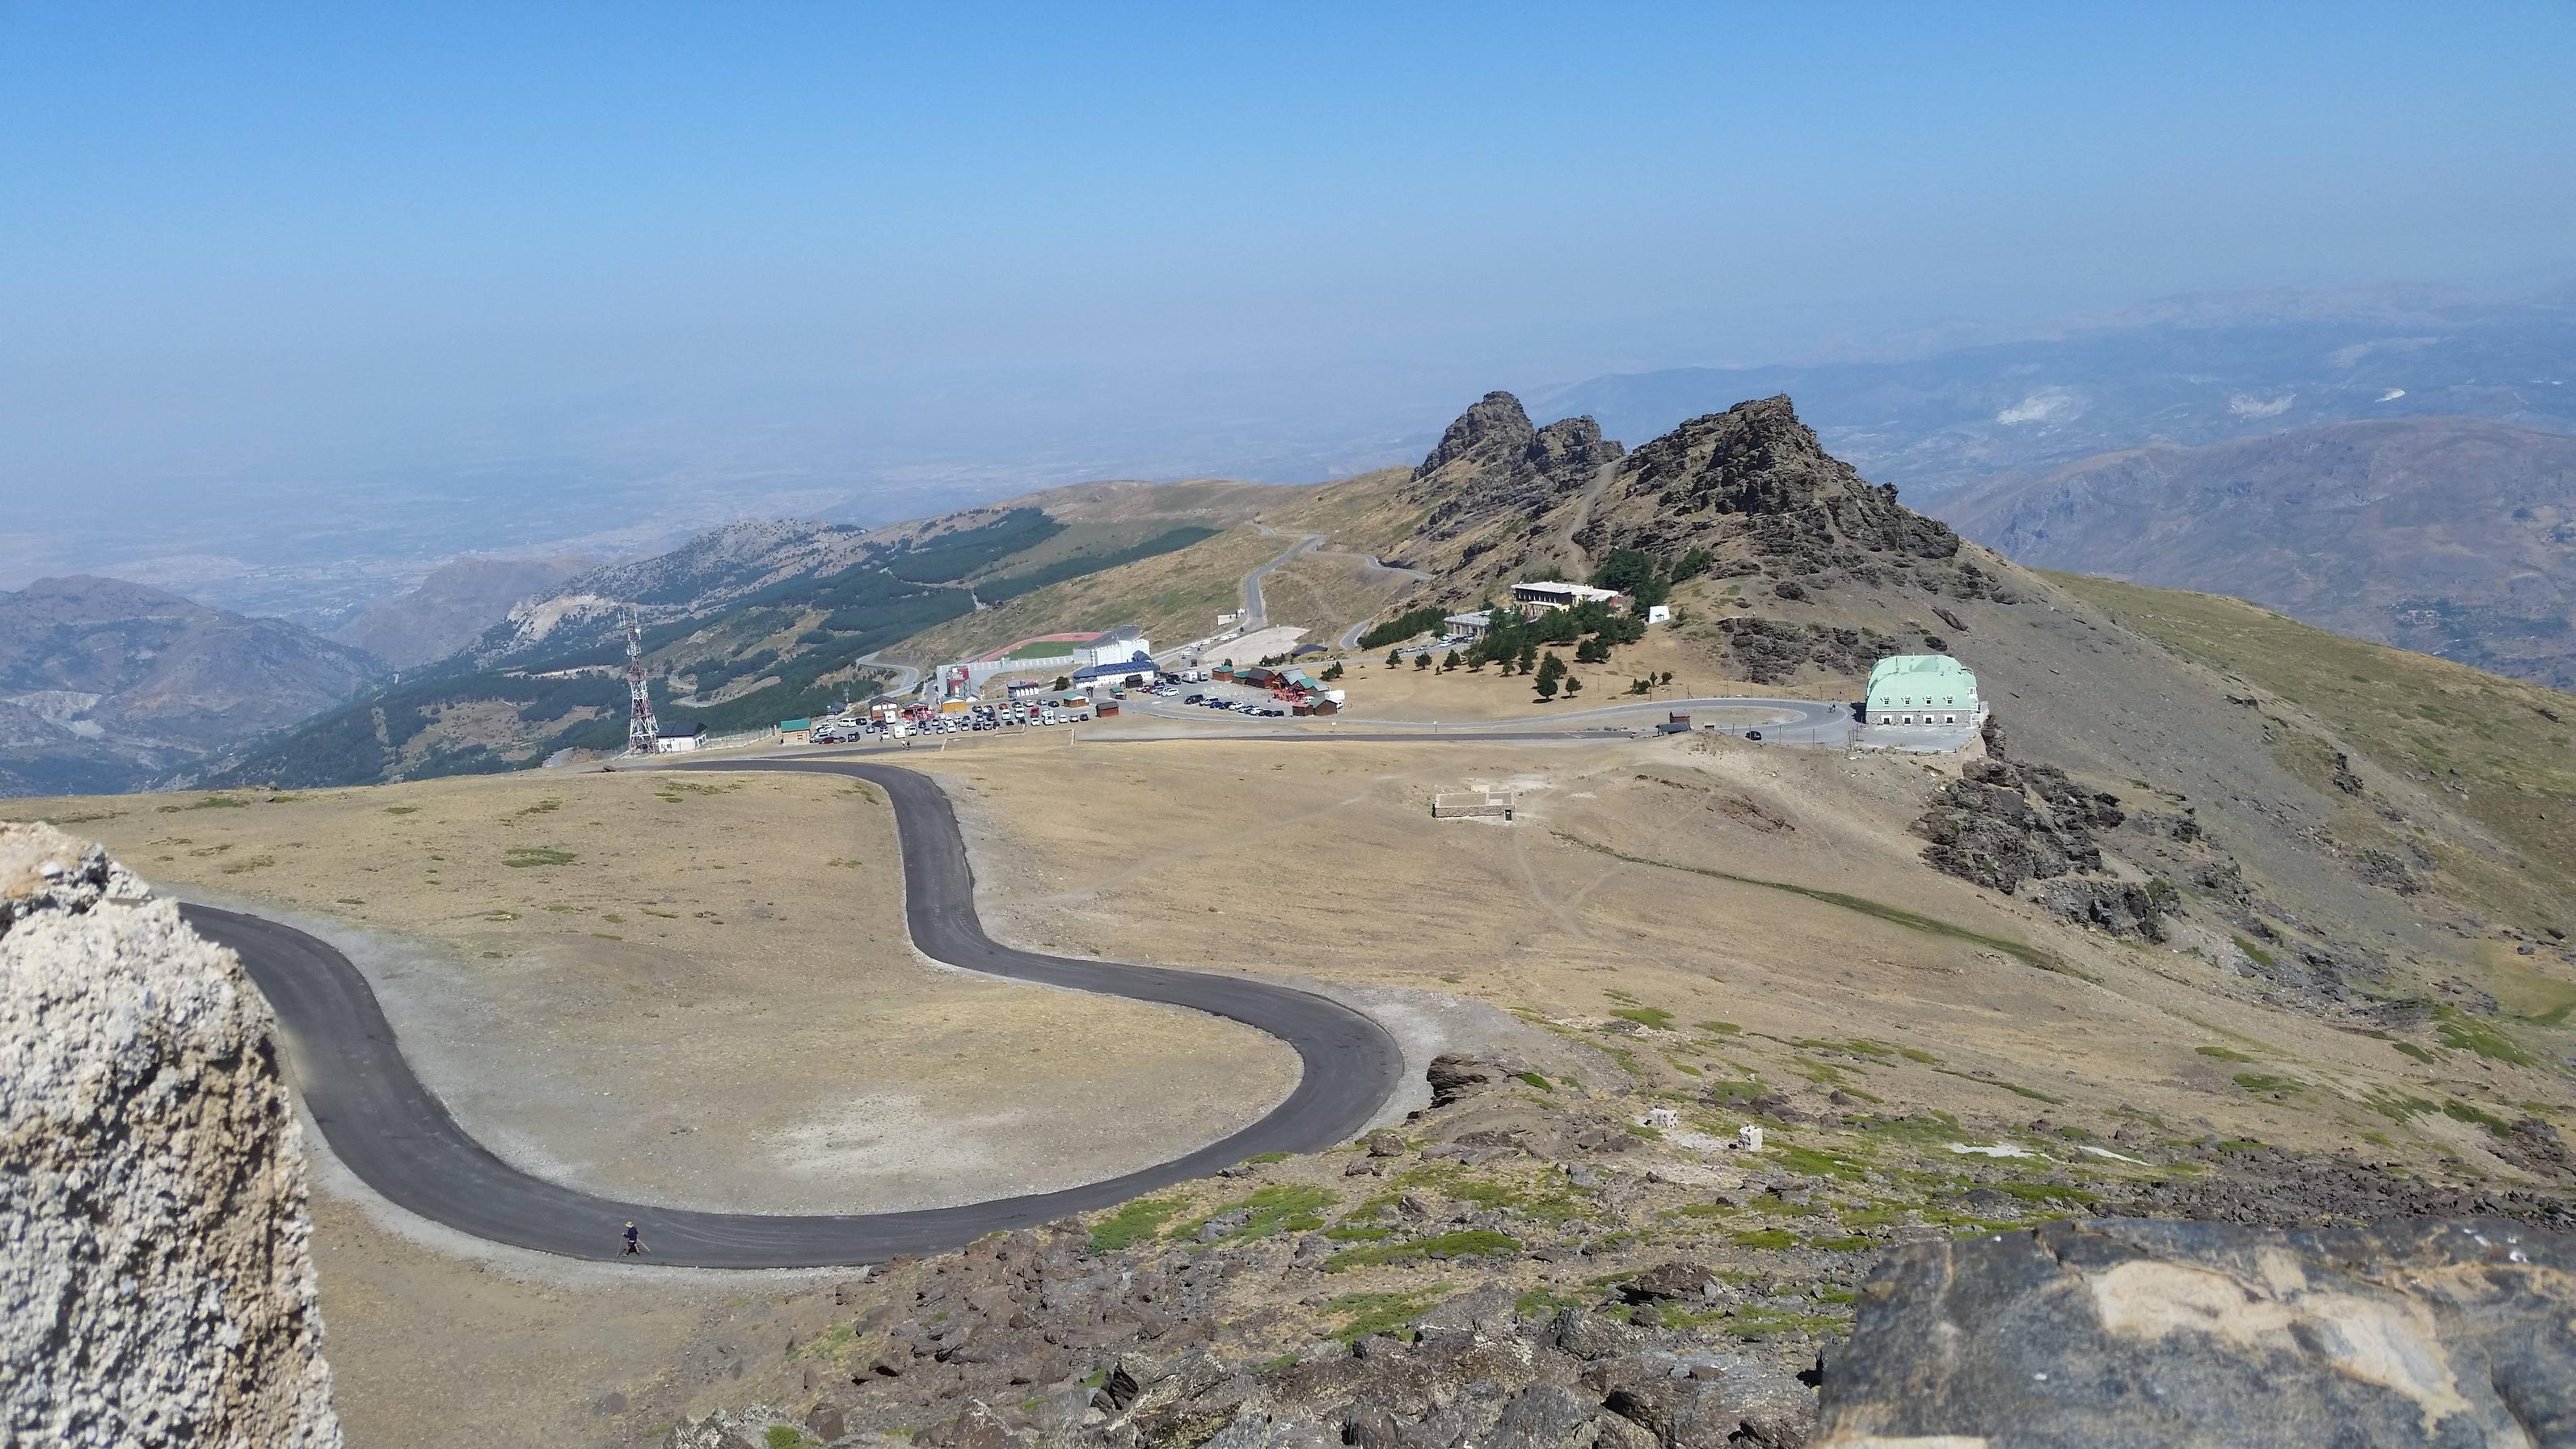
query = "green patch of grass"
x=1542 y=1301
x=2267 y=1082
x=2396 y=1106
x=2254 y=953
x=1683 y=1067
x=1535 y=1080
x=1879 y=910
x=1274 y=1365
x=1134 y=1223
x=1362 y=1314
x=1350 y=1232
x=2459 y=1111
x=2044 y=1192
x=1847 y=1243
x=1653 y=1016
x=1813 y=1163
x=783 y=1436
x=1751 y=1322
x=1640 y=1129
x=2224 y=1054
x=523 y=857
x=1468 y=1243
x=1718 y=1028
x=1267 y=1157
x=547 y=806
x=1732 y=1090
x=2018 y=1090
x=1281 y=1206
x=209 y=802
x=2462 y=1032
x=1766 y=1238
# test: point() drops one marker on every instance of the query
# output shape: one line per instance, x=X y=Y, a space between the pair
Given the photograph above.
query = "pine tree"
x=1449 y=663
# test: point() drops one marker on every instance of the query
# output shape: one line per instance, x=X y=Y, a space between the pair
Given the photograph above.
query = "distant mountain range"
x=2189 y=372
x=109 y=686
x=456 y=603
x=742 y=626
x=2448 y=536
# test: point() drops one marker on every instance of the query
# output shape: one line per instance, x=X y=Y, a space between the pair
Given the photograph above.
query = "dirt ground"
x=1404 y=692
x=1684 y=911
x=688 y=990
x=1684 y=880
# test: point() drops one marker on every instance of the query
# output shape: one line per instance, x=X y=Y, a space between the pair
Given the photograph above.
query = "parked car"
x=1754 y=735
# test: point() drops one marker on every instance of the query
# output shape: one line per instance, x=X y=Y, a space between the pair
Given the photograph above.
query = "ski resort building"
x=1921 y=689
x=1118 y=646
x=1540 y=595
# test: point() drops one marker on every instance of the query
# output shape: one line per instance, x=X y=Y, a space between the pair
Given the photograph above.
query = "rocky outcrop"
x=154 y=1265
x=1491 y=466
x=1754 y=482
x=2127 y=1334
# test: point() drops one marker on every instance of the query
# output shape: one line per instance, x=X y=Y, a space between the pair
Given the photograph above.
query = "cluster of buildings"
x=1533 y=597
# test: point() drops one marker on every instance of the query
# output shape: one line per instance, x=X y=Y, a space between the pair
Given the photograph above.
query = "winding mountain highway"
x=400 y=1139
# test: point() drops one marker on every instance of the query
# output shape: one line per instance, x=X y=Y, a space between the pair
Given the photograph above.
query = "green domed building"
x=1921 y=689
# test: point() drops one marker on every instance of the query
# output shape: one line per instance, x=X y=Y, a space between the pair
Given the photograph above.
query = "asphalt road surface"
x=399 y=1139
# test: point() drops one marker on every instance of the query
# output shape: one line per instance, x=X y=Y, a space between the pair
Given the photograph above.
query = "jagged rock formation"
x=1496 y=489
x=1755 y=485
x=2138 y=1335
x=1751 y=486
x=1491 y=465
x=155 y=1281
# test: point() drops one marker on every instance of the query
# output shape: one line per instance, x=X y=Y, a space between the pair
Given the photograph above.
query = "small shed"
x=795 y=731
x=679 y=739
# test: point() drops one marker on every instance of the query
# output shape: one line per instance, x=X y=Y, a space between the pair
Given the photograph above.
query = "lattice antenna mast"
x=643 y=735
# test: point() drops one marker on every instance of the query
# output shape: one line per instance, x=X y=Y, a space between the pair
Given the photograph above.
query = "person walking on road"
x=634 y=1243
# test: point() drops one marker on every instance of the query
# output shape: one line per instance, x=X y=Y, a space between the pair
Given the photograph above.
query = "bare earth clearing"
x=695 y=990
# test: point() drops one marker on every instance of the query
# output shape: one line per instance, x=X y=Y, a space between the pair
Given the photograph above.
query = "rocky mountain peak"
x=1495 y=430
x=1757 y=461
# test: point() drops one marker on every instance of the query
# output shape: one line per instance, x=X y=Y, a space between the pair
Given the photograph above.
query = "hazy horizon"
x=526 y=268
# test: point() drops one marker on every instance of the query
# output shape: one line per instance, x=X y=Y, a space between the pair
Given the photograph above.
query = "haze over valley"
x=1003 y=727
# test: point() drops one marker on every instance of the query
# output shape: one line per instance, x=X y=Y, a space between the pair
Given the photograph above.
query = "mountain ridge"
x=2450 y=536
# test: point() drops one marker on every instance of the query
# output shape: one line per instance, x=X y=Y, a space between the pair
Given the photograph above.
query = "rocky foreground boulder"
x=156 y=1285
x=2119 y=1333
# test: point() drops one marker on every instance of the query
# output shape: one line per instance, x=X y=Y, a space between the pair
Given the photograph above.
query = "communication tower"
x=643 y=735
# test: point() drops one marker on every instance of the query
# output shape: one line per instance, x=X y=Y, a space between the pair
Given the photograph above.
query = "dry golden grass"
x=1174 y=597
x=694 y=988
x=1775 y=890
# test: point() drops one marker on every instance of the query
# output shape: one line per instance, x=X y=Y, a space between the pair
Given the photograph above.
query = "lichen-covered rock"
x=2130 y=1334
x=156 y=1285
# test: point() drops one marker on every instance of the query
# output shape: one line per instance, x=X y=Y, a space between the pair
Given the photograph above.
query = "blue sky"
x=229 y=228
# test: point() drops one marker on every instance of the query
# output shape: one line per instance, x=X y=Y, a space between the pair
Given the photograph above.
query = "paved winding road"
x=397 y=1136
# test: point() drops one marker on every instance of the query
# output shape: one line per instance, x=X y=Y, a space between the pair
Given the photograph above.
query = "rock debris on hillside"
x=154 y=1255
x=2134 y=1335
x=1526 y=1267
